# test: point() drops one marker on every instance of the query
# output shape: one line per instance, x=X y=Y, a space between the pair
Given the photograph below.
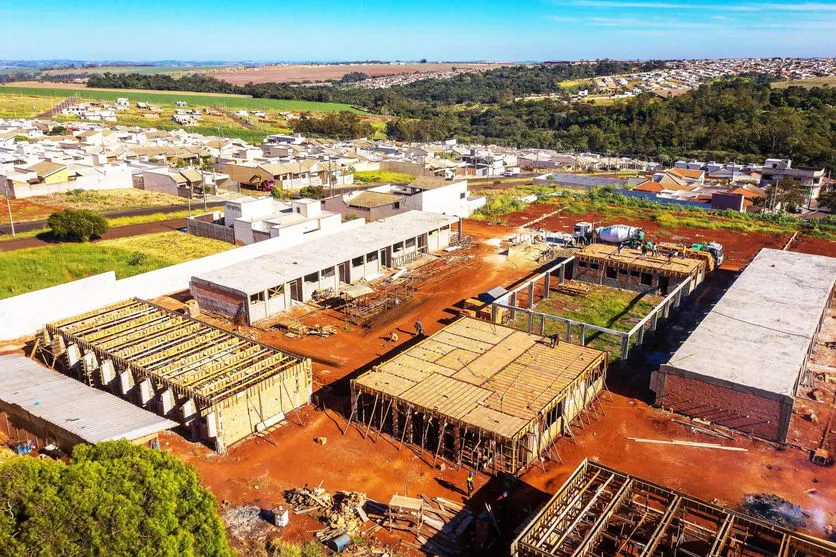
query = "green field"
x=603 y=306
x=382 y=177
x=31 y=269
x=808 y=83
x=170 y=97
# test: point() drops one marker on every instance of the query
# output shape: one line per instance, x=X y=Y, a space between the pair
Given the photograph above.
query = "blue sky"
x=509 y=30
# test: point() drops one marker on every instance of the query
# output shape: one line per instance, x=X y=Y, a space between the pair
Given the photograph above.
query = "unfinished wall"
x=735 y=408
x=265 y=404
x=215 y=300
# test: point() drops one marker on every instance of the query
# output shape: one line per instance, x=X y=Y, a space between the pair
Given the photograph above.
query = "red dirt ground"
x=322 y=72
x=258 y=470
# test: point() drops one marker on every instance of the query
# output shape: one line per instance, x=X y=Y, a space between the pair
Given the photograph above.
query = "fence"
x=197 y=226
x=525 y=296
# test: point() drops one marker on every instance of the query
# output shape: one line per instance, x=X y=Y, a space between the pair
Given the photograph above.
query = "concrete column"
x=654 y=321
x=678 y=299
x=530 y=322
x=568 y=332
x=542 y=325
x=562 y=272
x=166 y=401
x=146 y=392
x=530 y=295
x=73 y=355
x=189 y=411
x=625 y=347
x=583 y=335
x=547 y=280
x=126 y=382
x=640 y=338
x=494 y=313
x=108 y=373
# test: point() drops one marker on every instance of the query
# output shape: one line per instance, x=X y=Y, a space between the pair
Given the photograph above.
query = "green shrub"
x=77 y=224
x=137 y=259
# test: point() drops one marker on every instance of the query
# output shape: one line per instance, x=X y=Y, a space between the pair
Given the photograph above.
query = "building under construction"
x=481 y=394
x=602 y=512
x=630 y=269
x=221 y=386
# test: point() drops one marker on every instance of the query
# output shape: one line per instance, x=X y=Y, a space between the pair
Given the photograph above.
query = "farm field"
x=40 y=207
x=809 y=83
x=316 y=73
x=170 y=97
x=144 y=70
x=31 y=269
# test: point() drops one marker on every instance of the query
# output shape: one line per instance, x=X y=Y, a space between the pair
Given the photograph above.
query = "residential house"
x=427 y=194
x=811 y=179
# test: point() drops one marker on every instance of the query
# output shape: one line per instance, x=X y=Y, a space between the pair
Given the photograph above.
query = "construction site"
x=482 y=395
x=524 y=386
x=602 y=512
x=219 y=386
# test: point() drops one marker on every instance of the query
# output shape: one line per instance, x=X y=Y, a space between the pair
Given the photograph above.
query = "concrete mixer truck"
x=617 y=234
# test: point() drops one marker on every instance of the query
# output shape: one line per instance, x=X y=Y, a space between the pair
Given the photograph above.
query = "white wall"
x=115 y=178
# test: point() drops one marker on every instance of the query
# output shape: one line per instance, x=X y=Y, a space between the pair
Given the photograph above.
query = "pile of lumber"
x=443 y=523
x=306 y=499
x=342 y=512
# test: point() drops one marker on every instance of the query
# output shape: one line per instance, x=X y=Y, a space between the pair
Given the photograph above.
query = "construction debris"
x=246 y=521
x=774 y=509
x=704 y=430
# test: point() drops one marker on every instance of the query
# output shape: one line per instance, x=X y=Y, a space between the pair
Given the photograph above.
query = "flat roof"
x=759 y=333
x=89 y=413
x=633 y=258
x=269 y=271
x=486 y=375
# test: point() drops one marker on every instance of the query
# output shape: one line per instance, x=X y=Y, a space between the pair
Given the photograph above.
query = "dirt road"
x=118 y=232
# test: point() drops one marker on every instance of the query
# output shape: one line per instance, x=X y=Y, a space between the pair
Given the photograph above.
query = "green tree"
x=828 y=200
x=786 y=195
x=77 y=224
x=314 y=192
x=114 y=498
x=57 y=130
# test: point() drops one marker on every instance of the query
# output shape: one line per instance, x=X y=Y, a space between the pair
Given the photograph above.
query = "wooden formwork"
x=600 y=511
x=180 y=367
x=482 y=395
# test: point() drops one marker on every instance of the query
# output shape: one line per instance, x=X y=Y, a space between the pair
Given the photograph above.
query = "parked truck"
x=619 y=234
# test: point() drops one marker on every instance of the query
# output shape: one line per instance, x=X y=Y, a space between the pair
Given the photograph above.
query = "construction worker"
x=554 y=340
x=419 y=327
x=470 y=477
x=393 y=337
x=502 y=505
x=644 y=251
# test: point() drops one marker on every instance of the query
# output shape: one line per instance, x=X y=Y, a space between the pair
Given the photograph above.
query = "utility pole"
x=11 y=221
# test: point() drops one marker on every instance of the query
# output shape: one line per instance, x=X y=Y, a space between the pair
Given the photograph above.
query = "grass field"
x=32 y=269
x=809 y=83
x=40 y=207
x=170 y=97
x=382 y=177
x=612 y=308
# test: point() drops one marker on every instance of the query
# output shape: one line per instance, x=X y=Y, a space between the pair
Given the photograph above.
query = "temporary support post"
x=371 y=417
x=440 y=441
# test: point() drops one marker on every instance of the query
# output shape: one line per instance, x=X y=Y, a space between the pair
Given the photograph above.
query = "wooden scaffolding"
x=602 y=512
x=176 y=365
x=482 y=395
